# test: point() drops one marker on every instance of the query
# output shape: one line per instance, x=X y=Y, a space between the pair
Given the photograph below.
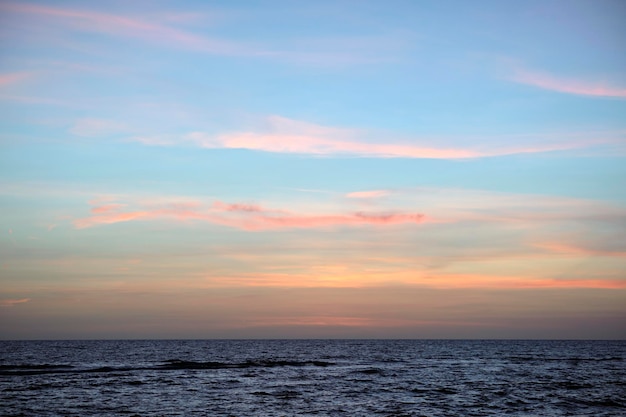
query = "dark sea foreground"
x=313 y=378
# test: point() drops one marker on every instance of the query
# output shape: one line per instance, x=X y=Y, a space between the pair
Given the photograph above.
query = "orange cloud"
x=111 y=218
x=10 y=302
x=569 y=86
x=514 y=282
x=106 y=208
x=350 y=275
x=570 y=250
x=339 y=276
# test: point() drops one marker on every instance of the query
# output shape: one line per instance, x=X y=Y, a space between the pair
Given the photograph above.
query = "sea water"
x=246 y=378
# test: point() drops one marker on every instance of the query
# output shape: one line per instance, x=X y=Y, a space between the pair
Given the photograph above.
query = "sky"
x=313 y=169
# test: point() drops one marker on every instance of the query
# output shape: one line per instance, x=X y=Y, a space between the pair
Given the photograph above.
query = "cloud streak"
x=11 y=302
x=108 y=208
x=568 y=85
x=245 y=216
x=443 y=205
x=11 y=78
x=324 y=146
x=449 y=281
x=367 y=194
x=346 y=277
x=89 y=127
x=128 y=27
x=161 y=30
x=283 y=135
x=577 y=251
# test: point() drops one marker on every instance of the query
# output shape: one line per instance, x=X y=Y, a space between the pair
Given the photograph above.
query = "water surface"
x=313 y=378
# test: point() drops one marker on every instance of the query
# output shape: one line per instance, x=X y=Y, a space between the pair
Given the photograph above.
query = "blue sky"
x=312 y=169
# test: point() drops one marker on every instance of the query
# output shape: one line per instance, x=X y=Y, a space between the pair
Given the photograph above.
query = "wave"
x=179 y=364
x=565 y=359
x=171 y=364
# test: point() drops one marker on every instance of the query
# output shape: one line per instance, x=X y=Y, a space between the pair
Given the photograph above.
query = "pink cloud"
x=161 y=28
x=110 y=218
x=283 y=135
x=247 y=217
x=237 y=207
x=107 y=208
x=258 y=218
x=310 y=221
x=281 y=143
x=13 y=77
x=368 y=194
x=116 y=25
x=286 y=135
x=293 y=136
x=567 y=85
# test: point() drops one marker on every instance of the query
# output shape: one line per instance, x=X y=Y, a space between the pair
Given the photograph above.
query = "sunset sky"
x=299 y=169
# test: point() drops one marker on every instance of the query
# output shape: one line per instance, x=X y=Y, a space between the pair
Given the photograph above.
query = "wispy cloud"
x=164 y=29
x=284 y=135
x=245 y=216
x=10 y=302
x=567 y=249
x=237 y=207
x=367 y=194
x=443 y=205
x=435 y=238
x=447 y=281
x=568 y=85
x=155 y=140
x=319 y=145
x=13 y=77
x=111 y=218
x=107 y=208
x=34 y=100
x=128 y=27
x=346 y=277
x=90 y=127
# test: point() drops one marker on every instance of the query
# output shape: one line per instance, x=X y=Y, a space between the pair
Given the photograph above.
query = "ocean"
x=246 y=378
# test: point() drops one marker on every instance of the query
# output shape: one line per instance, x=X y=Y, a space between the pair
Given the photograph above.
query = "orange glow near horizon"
x=339 y=279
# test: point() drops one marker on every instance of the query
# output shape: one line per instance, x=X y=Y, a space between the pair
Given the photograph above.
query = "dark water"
x=313 y=378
